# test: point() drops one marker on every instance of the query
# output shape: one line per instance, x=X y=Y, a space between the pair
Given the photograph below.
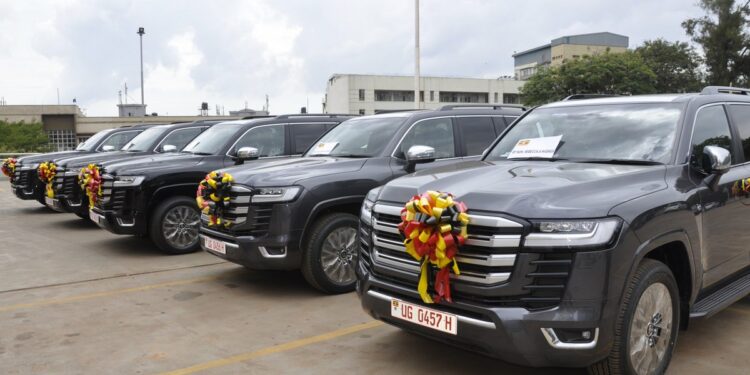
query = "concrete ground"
x=76 y=299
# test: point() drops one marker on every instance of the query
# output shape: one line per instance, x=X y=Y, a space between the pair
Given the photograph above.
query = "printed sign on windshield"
x=324 y=148
x=535 y=148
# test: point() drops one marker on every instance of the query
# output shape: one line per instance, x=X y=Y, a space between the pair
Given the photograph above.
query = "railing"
x=4 y=155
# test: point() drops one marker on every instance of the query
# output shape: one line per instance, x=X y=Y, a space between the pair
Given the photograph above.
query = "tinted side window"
x=477 y=133
x=119 y=140
x=741 y=117
x=180 y=138
x=303 y=135
x=269 y=140
x=711 y=129
x=436 y=133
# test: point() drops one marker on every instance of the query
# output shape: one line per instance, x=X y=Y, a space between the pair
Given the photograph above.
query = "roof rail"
x=588 y=96
x=481 y=106
x=714 y=90
x=253 y=116
x=328 y=115
x=386 y=111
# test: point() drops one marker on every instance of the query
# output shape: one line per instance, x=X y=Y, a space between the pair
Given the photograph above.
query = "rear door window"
x=477 y=133
x=741 y=117
x=303 y=135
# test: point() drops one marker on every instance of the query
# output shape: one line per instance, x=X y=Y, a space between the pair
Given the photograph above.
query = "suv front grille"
x=248 y=219
x=23 y=178
x=488 y=262
x=113 y=198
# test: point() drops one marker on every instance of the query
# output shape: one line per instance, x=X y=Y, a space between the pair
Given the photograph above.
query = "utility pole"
x=142 y=31
x=416 y=54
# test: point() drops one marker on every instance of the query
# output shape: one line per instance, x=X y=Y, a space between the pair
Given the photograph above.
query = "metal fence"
x=16 y=154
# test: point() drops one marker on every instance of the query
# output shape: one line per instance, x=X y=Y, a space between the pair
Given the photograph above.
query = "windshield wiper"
x=536 y=159
x=621 y=161
x=200 y=153
x=348 y=156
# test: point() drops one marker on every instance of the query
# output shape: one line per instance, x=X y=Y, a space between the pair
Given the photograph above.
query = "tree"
x=721 y=33
x=609 y=73
x=22 y=137
x=676 y=65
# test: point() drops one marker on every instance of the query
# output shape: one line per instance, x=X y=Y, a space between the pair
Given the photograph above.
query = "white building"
x=371 y=94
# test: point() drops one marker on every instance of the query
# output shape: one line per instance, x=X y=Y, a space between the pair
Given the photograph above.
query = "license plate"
x=217 y=246
x=49 y=201
x=94 y=217
x=425 y=317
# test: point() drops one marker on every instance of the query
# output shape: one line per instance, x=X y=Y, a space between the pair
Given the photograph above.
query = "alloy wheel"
x=181 y=226
x=339 y=255
x=650 y=329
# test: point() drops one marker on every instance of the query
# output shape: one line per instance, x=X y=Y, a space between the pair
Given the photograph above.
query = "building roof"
x=595 y=39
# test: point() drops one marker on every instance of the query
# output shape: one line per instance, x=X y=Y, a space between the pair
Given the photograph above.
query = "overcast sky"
x=232 y=52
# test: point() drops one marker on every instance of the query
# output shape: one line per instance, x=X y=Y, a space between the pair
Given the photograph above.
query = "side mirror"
x=716 y=160
x=168 y=148
x=108 y=148
x=417 y=155
x=246 y=153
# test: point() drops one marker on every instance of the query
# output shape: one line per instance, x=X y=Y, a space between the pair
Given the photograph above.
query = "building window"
x=396 y=95
x=361 y=111
x=432 y=96
x=62 y=140
x=495 y=101
x=421 y=96
x=511 y=99
x=361 y=95
x=464 y=97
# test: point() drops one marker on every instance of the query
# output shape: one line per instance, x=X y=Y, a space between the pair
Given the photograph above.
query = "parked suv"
x=155 y=195
x=592 y=255
x=302 y=213
x=156 y=140
x=26 y=184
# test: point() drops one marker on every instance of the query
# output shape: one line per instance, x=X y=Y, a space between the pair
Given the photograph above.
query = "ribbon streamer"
x=47 y=172
x=213 y=196
x=9 y=168
x=434 y=226
x=90 y=181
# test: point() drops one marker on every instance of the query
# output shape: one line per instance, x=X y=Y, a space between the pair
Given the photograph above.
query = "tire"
x=645 y=302
x=331 y=234
x=167 y=217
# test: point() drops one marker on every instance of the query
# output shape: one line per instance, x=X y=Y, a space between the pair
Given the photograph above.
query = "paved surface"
x=76 y=299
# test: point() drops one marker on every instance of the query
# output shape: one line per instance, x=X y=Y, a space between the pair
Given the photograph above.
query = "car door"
x=725 y=219
x=438 y=133
x=270 y=140
x=476 y=134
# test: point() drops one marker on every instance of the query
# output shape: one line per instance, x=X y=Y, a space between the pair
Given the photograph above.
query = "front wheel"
x=330 y=255
x=646 y=328
x=175 y=225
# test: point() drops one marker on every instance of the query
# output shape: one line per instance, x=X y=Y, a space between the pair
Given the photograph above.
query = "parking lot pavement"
x=76 y=299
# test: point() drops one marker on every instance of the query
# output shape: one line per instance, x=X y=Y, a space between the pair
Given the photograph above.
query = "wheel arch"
x=349 y=204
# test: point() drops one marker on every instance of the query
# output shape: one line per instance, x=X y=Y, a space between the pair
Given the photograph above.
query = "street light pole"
x=141 y=31
x=416 y=54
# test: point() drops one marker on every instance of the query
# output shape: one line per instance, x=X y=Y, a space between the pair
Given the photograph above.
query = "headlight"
x=276 y=194
x=27 y=167
x=125 y=181
x=573 y=233
x=366 y=211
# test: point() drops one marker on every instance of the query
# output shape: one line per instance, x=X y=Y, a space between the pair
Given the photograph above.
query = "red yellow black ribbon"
x=9 y=168
x=47 y=172
x=434 y=226
x=90 y=181
x=213 y=197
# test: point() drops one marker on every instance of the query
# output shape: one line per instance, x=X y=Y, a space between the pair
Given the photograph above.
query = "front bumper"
x=26 y=185
x=264 y=252
x=111 y=221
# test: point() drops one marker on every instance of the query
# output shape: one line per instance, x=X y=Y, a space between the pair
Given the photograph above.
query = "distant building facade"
x=371 y=94
x=247 y=112
x=569 y=47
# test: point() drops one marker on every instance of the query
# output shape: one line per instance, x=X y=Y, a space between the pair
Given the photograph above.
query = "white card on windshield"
x=535 y=148
x=324 y=148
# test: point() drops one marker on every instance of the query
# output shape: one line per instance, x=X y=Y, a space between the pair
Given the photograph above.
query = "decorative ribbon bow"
x=434 y=226
x=213 y=196
x=90 y=181
x=9 y=168
x=47 y=172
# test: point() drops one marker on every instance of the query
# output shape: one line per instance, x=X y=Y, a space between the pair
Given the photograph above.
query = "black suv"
x=156 y=140
x=303 y=212
x=594 y=254
x=155 y=195
x=26 y=183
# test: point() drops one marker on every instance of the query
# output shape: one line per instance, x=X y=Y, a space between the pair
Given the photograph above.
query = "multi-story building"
x=569 y=47
x=371 y=94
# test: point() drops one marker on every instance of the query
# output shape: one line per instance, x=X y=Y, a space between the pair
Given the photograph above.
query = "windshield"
x=90 y=144
x=213 y=140
x=635 y=132
x=361 y=137
x=145 y=141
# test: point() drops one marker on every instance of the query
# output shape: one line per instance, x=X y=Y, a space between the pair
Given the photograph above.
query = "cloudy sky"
x=230 y=52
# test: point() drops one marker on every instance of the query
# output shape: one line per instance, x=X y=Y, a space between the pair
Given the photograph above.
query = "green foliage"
x=22 y=137
x=676 y=65
x=721 y=33
x=610 y=73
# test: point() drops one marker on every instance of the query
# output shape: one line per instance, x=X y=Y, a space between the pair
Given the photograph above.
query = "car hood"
x=150 y=163
x=84 y=160
x=49 y=156
x=292 y=171
x=533 y=189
